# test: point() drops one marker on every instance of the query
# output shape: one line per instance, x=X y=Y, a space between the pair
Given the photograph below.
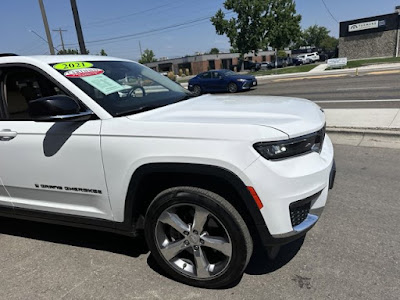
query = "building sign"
x=363 y=26
x=337 y=62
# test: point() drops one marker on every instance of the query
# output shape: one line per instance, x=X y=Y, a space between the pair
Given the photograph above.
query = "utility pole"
x=46 y=27
x=140 y=48
x=61 y=37
x=78 y=27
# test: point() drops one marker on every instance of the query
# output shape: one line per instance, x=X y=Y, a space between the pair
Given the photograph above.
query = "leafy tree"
x=67 y=51
x=147 y=57
x=214 y=51
x=330 y=43
x=314 y=35
x=259 y=23
x=283 y=24
x=103 y=53
x=70 y=51
x=282 y=54
x=318 y=36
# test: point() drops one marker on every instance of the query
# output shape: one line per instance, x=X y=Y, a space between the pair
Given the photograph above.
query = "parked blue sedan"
x=221 y=81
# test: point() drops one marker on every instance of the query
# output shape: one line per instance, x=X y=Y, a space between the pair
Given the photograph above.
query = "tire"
x=170 y=230
x=197 y=90
x=232 y=87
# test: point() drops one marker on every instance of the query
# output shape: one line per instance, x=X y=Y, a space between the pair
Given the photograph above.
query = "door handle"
x=7 y=134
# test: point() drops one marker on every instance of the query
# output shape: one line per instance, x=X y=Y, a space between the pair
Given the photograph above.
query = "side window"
x=22 y=85
x=216 y=75
x=206 y=75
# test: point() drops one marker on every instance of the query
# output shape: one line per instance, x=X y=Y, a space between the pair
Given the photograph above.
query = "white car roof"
x=52 y=59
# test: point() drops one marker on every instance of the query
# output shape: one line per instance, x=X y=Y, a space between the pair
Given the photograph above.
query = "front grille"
x=299 y=210
x=247 y=84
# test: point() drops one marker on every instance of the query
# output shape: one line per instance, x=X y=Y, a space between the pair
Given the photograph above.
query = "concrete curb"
x=365 y=137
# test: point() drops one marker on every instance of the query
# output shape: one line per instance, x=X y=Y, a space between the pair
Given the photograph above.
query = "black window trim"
x=3 y=107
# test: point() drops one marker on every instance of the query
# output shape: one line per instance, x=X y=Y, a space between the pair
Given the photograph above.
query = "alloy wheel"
x=193 y=241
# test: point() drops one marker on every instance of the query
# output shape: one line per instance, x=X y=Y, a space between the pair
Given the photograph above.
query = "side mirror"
x=57 y=108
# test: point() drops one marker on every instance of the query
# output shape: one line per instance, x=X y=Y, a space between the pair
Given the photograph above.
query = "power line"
x=133 y=35
x=42 y=38
x=155 y=33
x=113 y=20
x=327 y=8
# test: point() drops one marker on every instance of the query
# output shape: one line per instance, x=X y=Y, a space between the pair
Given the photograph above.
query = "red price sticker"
x=83 y=73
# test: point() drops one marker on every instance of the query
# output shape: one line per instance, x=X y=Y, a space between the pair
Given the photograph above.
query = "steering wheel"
x=132 y=92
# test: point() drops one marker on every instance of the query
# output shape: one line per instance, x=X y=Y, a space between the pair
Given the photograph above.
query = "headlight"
x=241 y=80
x=301 y=145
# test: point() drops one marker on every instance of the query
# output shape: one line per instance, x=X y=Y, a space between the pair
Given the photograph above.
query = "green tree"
x=259 y=23
x=103 y=53
x=318 y=36
x=315 y=35
x=282 y=54
x=147 y=57
x=329 y=43
x=283 y=24
x=214 y=51
x=68 y=51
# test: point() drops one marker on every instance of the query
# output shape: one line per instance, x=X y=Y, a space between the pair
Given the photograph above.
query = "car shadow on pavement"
x=260 y=264
x=78 y=237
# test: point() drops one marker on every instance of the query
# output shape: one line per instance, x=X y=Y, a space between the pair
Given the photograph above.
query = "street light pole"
x=46 y=27
x=78 y=27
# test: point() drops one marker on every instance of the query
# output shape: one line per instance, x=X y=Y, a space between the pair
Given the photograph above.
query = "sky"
x=140 y=21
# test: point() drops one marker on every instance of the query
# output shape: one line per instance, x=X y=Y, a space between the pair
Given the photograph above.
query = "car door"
x=48 y=166
x=206 y=82
x=5 y=199
x=218 y=83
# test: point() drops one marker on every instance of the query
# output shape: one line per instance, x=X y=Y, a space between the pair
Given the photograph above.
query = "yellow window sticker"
x=73 y=65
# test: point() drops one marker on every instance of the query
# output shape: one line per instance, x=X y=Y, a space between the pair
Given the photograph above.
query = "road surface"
x=383 y=88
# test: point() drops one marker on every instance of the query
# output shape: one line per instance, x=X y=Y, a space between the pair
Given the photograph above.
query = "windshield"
x=123 y=87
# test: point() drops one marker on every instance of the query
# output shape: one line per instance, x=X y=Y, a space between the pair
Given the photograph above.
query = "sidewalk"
x=380 y=118
x=364 y=127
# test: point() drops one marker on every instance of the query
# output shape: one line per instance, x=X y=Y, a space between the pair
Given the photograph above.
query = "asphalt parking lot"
x=352 y=253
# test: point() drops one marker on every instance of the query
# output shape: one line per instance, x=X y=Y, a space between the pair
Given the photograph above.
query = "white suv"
x=309 y=57
x=109 y=144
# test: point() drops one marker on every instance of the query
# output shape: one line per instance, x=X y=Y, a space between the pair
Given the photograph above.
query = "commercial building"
x=201 y=63
x=377 y=36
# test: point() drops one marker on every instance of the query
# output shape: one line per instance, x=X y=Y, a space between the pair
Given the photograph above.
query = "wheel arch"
x=150 y=179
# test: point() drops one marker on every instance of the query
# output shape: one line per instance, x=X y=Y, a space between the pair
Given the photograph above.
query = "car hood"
x=292 y=116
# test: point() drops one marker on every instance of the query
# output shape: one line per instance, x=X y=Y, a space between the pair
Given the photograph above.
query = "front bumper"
x=280 y=184
x=249 y=84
